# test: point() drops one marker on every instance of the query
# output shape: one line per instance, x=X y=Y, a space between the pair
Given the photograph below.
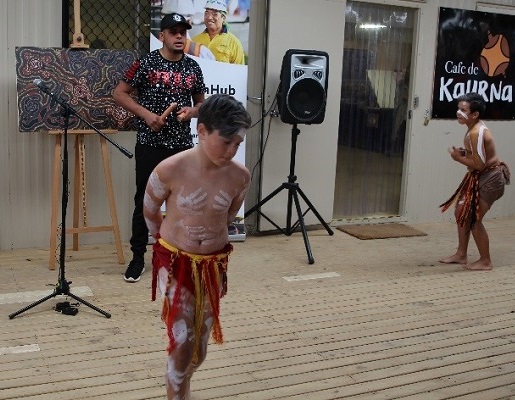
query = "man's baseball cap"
x=219 y=5
x=172 y=20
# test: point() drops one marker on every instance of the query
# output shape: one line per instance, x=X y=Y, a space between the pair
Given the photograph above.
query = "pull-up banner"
x=227 y=75
x=475 y=53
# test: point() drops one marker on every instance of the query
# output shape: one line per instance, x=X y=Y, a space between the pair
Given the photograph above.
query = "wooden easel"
x=80 y=225
x=78 y=37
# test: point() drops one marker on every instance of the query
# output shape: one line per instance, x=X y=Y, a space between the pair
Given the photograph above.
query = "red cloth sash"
x=201 y=275
x=469 y=190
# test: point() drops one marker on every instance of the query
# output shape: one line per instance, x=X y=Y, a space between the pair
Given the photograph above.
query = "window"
x=110 y=24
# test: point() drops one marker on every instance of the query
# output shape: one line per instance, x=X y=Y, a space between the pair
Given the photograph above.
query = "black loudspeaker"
x=302 y=91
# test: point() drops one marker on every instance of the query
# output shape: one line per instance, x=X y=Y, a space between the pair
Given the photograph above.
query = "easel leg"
x=112 y=204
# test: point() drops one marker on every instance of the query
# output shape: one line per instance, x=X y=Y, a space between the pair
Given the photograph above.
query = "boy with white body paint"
x=203 y=188
x=482 y=185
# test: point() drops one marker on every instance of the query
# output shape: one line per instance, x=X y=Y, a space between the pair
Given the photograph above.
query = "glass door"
x=373 y=110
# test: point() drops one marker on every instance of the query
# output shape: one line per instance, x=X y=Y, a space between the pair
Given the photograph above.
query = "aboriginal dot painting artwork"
x=475 y=53
x=81 y=79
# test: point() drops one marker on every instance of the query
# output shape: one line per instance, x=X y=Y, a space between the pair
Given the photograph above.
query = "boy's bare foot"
x=478 y=266
x=454 y=259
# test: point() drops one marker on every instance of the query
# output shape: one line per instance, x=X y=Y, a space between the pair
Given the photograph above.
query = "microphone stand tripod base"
x=62 y=289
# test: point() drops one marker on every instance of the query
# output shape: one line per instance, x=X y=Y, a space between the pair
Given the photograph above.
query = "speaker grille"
x=302 y=91
x=298 y=73
x=306 y=99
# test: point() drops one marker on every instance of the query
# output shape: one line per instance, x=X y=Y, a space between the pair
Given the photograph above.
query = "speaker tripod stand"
x=62 y=288
x=294 y=191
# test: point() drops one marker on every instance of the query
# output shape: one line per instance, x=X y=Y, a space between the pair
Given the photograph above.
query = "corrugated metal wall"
x=26 y=159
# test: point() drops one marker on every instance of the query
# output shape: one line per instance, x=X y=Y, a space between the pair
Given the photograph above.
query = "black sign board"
x=475 y=53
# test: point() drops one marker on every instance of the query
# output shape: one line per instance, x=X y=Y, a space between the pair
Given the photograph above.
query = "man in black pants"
x=170 y=88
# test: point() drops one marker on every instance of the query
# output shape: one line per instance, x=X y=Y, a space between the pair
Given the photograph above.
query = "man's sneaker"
x=134 y=271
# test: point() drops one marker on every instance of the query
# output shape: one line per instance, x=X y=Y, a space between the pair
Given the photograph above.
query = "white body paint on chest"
x=222 y=201
x=193 y=203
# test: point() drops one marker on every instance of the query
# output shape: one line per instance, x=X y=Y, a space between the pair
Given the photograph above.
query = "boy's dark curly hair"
x=223 y=113
x=476 y=102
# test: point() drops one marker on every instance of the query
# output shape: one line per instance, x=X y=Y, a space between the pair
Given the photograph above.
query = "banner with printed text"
x=219 y=76
x=475 y=53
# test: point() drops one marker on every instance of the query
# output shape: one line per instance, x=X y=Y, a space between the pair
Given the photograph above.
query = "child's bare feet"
x=454 y=259
x=479 y=265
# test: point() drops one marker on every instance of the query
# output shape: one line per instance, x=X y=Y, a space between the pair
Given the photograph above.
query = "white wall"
x=26 y=159
x=304 y=25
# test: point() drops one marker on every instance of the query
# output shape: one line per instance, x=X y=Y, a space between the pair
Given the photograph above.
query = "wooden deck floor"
x=376 y=319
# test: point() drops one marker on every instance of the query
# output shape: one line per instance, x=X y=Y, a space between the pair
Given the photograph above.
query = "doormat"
x=380 y=231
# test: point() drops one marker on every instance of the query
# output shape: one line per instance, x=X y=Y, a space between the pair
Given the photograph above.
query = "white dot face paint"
x=193 y=203
x=460 y=113
x=222 y=201
x=159 y=189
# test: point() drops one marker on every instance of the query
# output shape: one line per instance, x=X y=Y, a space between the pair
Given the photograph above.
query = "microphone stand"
x=63 y=286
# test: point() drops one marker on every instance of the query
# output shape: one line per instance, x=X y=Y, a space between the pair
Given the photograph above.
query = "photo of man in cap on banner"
x=187 y=9
x=225 y=45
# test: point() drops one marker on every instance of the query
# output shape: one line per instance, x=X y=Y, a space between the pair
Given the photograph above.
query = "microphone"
x=44 y=88
x=39 y=83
